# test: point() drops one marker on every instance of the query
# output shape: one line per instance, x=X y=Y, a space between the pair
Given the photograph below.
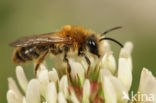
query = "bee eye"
x=91 y=43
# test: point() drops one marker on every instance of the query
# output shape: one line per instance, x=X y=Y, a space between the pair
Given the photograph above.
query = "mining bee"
x=74 y=39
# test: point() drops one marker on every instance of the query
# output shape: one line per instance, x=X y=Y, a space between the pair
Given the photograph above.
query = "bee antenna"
x=111 y=39
x=112 y=29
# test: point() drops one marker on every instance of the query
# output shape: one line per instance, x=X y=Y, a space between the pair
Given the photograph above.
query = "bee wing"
x=42 y=39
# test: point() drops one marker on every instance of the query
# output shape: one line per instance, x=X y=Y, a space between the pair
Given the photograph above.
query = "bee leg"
x=68 y=67
x=39 y=61
x=81 y=53
x=89 y=63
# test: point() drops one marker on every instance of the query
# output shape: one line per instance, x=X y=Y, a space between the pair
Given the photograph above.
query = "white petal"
x=76 y=69
x=53 y=76
x=130 y=63
x=146 y=79
x=24 y=100
x=127 y=50
x=74 y=98
x=105 y=47
x=125 y=73
x=120 y=90
x=86 y=91
x=94 y=61
x=104 y=72
x=109 y=92
x=84 y=64
x=126 y=53
x=41 y=68
x=44 y=81
x=14 y=88
x=129 y=46
x=21 y=78
x=61 y=98
x=108 y=62
x=147 y=83
x=51 y=95
x=33 y=92
x=12 y=97
x=63 y=86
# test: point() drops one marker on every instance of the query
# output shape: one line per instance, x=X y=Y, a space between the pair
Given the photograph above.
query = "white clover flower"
x=101 y=86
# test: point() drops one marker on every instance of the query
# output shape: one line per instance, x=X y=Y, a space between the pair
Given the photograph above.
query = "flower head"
x=105 y=82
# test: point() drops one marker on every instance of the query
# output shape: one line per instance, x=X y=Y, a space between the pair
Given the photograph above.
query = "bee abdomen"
x=25 y=54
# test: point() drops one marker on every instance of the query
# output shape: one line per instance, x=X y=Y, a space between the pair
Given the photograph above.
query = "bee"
x=75 y=39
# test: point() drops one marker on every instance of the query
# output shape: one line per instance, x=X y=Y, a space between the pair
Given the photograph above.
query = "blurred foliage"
x=26 y=17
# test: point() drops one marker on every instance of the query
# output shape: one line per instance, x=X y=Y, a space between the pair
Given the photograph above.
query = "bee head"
x=93 y=45
x=94 y=42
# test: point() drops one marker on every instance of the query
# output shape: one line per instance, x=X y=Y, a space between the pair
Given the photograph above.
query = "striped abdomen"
x=24 y=54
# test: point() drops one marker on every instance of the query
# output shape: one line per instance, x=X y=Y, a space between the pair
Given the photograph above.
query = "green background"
x=26 y=17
